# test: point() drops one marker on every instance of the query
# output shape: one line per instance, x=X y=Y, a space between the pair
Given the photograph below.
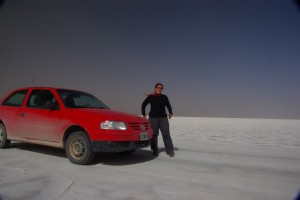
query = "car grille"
x=138 y=126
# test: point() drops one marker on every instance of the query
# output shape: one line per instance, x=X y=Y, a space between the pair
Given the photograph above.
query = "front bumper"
x=118 y=146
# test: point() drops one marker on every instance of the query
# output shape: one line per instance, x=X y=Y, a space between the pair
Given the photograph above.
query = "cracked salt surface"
x=7 y=173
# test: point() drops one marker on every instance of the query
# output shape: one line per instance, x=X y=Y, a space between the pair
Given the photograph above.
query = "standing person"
x=159 y=119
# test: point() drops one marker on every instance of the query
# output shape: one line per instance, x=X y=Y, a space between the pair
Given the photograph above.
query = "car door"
x=39 y=119
x=10 y=110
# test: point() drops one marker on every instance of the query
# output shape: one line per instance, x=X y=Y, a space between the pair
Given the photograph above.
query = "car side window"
x=41 y=99
x=16 y=99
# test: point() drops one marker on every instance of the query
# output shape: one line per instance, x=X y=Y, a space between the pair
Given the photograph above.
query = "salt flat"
x=214 y=160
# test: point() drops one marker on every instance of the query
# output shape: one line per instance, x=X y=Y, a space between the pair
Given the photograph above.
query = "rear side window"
x=41 y=99
x=16 y=99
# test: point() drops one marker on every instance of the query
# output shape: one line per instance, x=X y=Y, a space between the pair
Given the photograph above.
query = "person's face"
x=158 y=89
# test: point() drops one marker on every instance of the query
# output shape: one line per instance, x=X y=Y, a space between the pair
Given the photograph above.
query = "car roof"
x=44 y=87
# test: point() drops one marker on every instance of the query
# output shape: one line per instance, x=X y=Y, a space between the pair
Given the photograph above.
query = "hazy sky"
x=216 y=58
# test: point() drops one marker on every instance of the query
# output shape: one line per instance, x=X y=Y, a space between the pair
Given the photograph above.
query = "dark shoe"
x=172 y=154
x=155 y=153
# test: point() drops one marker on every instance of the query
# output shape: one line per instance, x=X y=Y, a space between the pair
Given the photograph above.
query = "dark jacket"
x=158 y=105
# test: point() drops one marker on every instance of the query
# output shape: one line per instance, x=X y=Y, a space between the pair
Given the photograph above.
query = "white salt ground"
x=228 y=159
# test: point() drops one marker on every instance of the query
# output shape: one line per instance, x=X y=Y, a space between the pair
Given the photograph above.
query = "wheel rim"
x=77 y=148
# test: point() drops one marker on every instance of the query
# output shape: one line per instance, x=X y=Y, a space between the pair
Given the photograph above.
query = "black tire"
x=4 y=142
x=79 y=149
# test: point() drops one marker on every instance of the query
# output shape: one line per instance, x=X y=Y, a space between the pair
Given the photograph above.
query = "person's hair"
x=157 y=84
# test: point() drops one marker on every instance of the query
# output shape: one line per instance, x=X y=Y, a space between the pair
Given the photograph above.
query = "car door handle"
x=22 y=114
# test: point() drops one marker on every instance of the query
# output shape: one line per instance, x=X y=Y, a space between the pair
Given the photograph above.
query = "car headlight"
x=113 y=125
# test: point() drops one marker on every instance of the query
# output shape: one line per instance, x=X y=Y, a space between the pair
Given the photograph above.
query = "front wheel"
x=4 y=142
x=79 y=148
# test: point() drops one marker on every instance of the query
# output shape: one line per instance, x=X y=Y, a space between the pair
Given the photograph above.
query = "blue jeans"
x=162 y=124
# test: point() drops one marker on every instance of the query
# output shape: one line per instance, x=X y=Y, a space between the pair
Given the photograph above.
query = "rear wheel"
x=4 y=142
x=79 y=148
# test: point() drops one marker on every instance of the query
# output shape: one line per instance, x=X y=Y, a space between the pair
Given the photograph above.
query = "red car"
x=69 y=119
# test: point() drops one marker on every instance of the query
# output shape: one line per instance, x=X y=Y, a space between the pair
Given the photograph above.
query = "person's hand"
x=170 y=116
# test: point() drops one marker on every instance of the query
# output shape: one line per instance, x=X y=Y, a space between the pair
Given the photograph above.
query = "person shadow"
x=1 y=4
x=298 y=196
x=164 y=149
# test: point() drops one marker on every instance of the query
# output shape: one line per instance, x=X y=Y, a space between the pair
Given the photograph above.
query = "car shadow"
x=117 y=159
x=38 y=149
x=139 y=156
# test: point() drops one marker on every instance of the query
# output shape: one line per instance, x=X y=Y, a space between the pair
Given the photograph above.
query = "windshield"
x=77 y=99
